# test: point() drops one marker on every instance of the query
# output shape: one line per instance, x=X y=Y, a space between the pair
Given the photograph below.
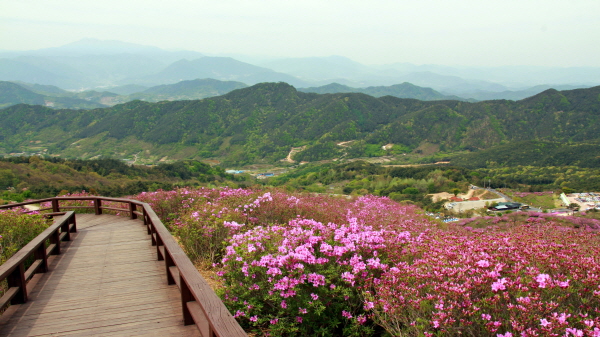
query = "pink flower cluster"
x=310 y=267
x=526 y=194
x=302 y=264
x=523 y=280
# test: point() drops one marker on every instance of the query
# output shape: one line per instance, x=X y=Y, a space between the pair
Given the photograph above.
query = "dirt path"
x=445 y=195
x=293 y=151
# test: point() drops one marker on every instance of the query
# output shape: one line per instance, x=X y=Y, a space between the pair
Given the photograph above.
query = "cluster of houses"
x=258 y=175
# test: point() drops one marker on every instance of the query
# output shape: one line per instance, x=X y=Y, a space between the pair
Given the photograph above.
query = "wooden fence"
x=200 y=305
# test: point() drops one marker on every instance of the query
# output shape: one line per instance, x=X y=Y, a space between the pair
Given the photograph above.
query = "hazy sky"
x=452 y=32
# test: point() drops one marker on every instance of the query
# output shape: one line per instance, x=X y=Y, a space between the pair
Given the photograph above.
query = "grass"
x=546 y=201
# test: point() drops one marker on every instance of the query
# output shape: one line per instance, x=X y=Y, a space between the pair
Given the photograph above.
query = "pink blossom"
x=499 y=284
x=483 y=263
x=542 y=279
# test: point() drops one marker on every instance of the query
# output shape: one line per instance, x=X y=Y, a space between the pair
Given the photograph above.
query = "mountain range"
x=12 y=93
x=262 y=123
x=52 y=96
x=404 y=90
x=100 y=65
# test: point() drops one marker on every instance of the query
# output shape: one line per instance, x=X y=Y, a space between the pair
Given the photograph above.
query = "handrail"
x=14 y=271
x=200 y=305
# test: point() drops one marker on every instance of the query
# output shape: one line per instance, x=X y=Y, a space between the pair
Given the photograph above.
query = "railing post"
x=65 y=229
x=55 y=207
x=145 y=216
x=55 y=239
x=132 y=209
x=158 y=244
x=169 y=263
x=40 y=254
x=73 y=221
x=186 y=296
x=98 y=206
x=152 y=234
x=17 y=279
x=148 y=222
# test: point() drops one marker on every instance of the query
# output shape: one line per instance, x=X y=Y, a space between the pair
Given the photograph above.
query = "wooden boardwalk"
x=106 y=282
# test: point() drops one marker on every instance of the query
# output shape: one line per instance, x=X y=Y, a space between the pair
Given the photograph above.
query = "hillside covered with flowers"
x=305 y=264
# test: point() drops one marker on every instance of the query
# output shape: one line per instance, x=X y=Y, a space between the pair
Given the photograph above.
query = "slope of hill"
x=262 y=123
x=220 y=68
x=516 y=95
x=12 y=93
x=533 y=153
x=87 y=63
x=187 y=90
x=404 y=90
x=47 y=90
x=55 y=97
x=128 y=89
x=320 y=68
x=39 y=177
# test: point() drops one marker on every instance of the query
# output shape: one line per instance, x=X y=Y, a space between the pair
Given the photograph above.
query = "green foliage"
x=404 y=90
x=262 y=123
x=358 y=178
x=533 y=153
x=533 y=179
x=16 y=230
x=36 y=177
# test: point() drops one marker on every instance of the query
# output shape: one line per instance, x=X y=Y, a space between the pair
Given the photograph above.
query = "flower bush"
x=16 y=230
x=306 y=277
x=302 y=264
x=530 y=280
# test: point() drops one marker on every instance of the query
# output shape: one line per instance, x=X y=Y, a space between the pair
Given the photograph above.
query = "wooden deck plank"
x=107 y=281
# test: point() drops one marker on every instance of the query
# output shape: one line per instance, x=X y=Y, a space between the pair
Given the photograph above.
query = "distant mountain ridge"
x=194 y=89
x=96 y=64
x=12 y=93
x=220 y=68
x=187 y=90
x=263 y=122
x=403 y=90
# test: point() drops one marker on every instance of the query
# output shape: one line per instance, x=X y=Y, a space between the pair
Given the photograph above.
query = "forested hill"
x=264 y=121
x=404 y=90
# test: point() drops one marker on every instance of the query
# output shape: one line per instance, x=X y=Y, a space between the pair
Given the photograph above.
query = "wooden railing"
x=200 y=305
x=14 y=271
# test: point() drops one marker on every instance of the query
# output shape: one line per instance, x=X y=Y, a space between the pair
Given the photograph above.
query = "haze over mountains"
x=12 y=93
x=154 y=104
x=101 y=65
